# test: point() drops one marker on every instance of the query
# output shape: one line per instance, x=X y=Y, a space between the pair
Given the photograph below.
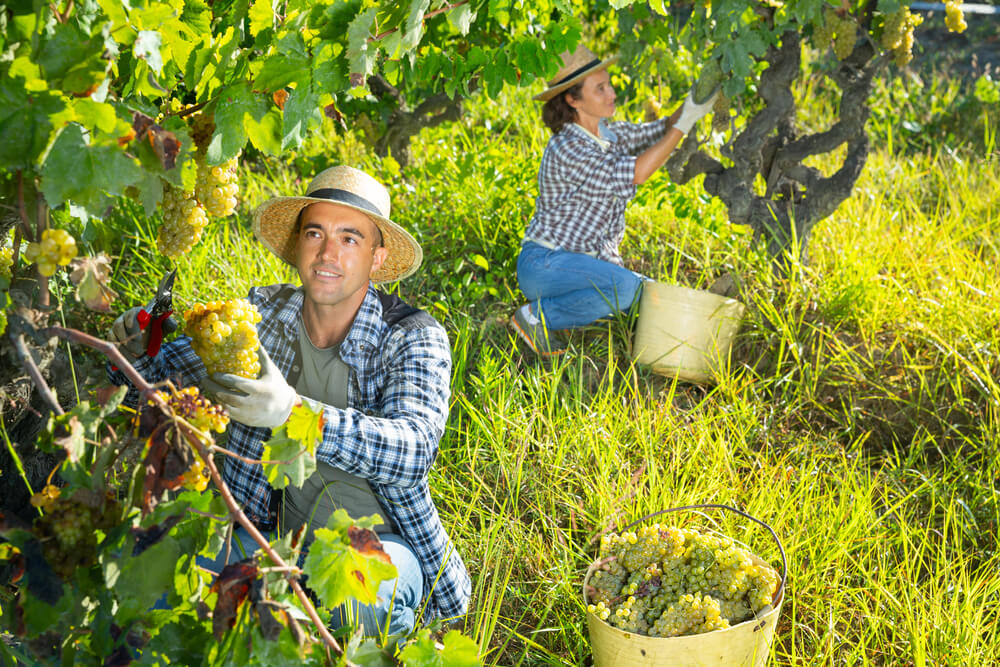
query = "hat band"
x=593 y=63
x=346 y=197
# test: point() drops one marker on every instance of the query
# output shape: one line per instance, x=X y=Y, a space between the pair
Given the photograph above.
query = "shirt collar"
x=367 y=323
x=606 y=135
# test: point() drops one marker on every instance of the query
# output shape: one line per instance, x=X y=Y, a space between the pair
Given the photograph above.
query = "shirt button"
x=295 y=368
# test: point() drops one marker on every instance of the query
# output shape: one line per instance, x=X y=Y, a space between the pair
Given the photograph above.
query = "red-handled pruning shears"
x=156 y=314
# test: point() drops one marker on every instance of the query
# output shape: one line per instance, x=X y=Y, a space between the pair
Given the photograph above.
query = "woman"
x=569 y=266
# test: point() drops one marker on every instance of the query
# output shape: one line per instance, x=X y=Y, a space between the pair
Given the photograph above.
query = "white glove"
x=692 y=112
x=266 y=401
x=125 y=332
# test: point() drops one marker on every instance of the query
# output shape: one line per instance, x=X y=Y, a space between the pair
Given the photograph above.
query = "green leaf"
x=414 y=29
x=305 y=424
x=481 y=262
x=265 y=134
x=280 y=70
x=261 y=17
x=459 y=650
x=146 y=577
x=147 y=47
x=338 y=571
x=360 y=54
x=286 y=460
x=236 y=102
x=461 y=17
x=76 y=172
x=302 y=115
x=25 y=124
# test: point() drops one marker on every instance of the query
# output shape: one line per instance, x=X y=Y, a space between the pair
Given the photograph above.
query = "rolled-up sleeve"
x=637 y=137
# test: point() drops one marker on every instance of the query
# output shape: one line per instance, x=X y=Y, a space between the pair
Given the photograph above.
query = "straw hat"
x=274 y=220
x=576 y=66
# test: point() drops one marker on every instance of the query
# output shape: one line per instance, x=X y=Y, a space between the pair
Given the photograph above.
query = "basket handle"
x=784 y=561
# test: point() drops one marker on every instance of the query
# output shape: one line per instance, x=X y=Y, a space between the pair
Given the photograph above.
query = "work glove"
x=266 y=401
x=125 y=332
x=692 y=112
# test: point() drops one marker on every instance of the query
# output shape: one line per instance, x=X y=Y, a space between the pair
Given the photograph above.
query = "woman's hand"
x=692 y=112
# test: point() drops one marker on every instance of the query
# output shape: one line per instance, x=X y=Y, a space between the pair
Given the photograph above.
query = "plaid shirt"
x=398 y=403
x=583 y=188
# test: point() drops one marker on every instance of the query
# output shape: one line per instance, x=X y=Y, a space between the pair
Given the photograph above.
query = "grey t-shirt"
x=324 y=378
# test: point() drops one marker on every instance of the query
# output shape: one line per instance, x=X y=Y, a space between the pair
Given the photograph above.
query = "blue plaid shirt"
x=398 y=403
x=583 y=187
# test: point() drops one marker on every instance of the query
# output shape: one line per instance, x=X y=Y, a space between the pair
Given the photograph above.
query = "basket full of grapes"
x=660 y=594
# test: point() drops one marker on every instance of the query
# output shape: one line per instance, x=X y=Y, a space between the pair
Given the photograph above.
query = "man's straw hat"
x=274 y=221
x=576 y=66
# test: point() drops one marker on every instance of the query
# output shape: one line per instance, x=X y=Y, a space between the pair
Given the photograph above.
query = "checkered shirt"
x=583 y=188
x=398 y=403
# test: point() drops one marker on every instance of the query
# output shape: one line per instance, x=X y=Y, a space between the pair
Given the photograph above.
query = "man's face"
x=336 y=252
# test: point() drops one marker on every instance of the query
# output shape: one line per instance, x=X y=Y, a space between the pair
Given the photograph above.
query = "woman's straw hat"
x=576 y=66
x=274 y=221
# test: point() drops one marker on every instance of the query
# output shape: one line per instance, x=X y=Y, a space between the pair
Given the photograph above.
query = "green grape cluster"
x=57 y=248
x=842 y=31
x=6 y=263
x=953 y=17
x=224 y=335
x=67 y=531
x=184 y=219
x=665 y=581
x=216 y=187
x=720 y=113
x=897 y=34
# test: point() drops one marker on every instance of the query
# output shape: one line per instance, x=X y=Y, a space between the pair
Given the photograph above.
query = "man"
x=380 y=368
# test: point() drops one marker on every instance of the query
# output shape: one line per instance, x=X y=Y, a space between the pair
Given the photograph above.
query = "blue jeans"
x=570 y=289
x=398 y=598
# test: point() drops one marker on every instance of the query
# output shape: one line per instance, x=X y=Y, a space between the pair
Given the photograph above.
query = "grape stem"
x=147 y=391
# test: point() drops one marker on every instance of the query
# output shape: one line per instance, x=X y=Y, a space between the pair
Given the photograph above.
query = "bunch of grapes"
x=664 y=581
x=720 y=113
x=183 y=221
x=224 y=335
x=897 y=35
x=57 y=248
x=66 y=530
x=216 y=188
x=196 y=410
x=6 y=263
x=841 y=30
x=953 y=17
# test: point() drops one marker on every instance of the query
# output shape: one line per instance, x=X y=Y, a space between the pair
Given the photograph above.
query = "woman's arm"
x=681 y=122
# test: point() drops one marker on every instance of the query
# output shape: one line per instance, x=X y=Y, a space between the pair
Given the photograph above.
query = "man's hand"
x=126 y=333
x=692 y=112
x=266 y=401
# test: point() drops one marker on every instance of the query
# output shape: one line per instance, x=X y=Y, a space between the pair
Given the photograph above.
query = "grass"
x=859 y=418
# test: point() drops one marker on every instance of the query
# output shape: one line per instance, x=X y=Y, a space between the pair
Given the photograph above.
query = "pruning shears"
x=156 y=314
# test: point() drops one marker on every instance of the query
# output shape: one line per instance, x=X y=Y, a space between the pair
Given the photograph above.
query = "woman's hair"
x=557 y=113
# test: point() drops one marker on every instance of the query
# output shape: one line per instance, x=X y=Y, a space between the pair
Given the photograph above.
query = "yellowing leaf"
x=305 y=424
x=91 y=276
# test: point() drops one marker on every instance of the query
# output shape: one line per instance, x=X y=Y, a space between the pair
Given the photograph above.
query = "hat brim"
x=551 y=92
x=274 y=226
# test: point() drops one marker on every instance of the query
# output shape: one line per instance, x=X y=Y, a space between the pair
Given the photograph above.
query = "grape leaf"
x=345 y=561
x=414 y=29
x=286 y=460
x=236 y=103
x=146 y=577
x=458 y=651
x=305 y=424
x=359 y=53
x=147 y=47
x=87 y=175
x=91 y=275
x=25 y=122
x=302 y=115
x=261 y=16
x=461 y=17
x=233 y=586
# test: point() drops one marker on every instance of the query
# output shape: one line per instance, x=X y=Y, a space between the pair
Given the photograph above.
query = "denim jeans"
x=398 y=598
x=570 y=289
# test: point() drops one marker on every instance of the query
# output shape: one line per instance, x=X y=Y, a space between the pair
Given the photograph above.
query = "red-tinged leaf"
x=165 y=144
x=333 y=113
x=280 y=97
x=145 y=538
x=233 y=587
x=165 y=463
x=356 y=79
x=125 y=139
x=366 y=542
x=91 y=276
x=305 y=424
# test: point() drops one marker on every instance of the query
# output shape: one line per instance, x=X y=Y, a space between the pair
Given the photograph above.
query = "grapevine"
x=665 y=581
x=184 y=220
x=720 y=113
x=197 y=410
x=224 y=335
x=847 y=35
x=954 y=18
x=897 y=35
x=66 y=530
x=57 y=248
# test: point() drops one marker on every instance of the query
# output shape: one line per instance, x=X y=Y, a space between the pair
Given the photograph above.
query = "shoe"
x=542 y=341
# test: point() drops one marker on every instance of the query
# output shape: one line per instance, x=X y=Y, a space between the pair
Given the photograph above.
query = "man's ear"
x=378 y=257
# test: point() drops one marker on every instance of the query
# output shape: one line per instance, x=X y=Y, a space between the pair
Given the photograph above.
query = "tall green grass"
x=859 y=417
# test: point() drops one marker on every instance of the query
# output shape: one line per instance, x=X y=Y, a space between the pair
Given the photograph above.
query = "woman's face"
x=597 y=98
